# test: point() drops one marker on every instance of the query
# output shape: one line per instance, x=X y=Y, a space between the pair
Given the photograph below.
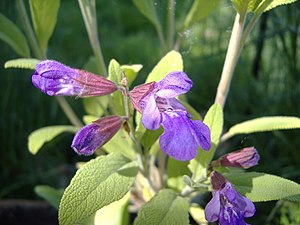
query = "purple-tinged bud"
x=244 y=158
x=227 y=205
x=94 y=135
x=138 y=93
x=54 y=78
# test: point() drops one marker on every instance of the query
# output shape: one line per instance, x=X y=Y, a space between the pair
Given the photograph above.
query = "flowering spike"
x=54 y=78
x=158 y=105
x=94 y=135
x=227 y=205
x=245 y=158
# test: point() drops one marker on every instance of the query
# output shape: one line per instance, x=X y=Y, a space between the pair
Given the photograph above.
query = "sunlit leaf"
x=172 y=61
x=40 y=136
x=115 y=74
x=44 y=16
x=121 y=143
x=199 y=11
x=131 y=72
x=23 y=63
x=98 y=183
x=11 y=34
x=263 y=124
x=276 y=3
x=260 y=187
x=198 y=214
x=50 y=194
x=175 y=171
x=95 y=105
x=166 y=207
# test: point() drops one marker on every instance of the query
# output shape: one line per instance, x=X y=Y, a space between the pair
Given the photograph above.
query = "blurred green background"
x=266 y=83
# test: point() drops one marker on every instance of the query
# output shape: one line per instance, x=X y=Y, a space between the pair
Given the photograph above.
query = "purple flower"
x=227 y=205
x=245 y=158
x=93 y=136
x=54 y=78
x=158 y=105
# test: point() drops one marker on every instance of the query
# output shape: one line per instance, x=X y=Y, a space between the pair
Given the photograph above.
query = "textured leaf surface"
x=165 y=208
x=260 y=187
x=23 y=63
x=50 y=194
x=12 y=35
x=44 y=16
x=40 y=136
x=276 y=3
x=199 y=11
x=98 y=183
x=214 y=120
x=172 y=61
x=264 y=124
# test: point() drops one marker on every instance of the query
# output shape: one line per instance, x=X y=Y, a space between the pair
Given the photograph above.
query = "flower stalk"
x=88 y=11
x=232 y=56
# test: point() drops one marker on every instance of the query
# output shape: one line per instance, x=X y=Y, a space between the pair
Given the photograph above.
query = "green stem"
x=171 y=18
x=162 y=168
x=88 y=11
x=232 y=56
x=68 y=111
x=29 y=31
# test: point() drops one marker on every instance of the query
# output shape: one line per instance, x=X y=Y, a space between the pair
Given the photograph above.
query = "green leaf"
x=147 y=8
x=175 y=171
x=23 y=63
x=263 y=124
x=115 y=213
x=150 y=136
x=87 y=119
x=44 y=16
x=40 y=136
x=121 y=143
x=95 y=106
x=131 y=72
x=165 y=208
x=260 y=187
x=11 y=34
x=276 y=3
x=199 y=11
x=98 y=183
x=115 y=74
x=172 y=61
x=214 y=120
x=260 y=6
x=50 y=194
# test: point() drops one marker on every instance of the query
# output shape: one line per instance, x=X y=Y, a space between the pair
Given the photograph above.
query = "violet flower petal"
x=54 y=78
x=174 y=84
x=201 y=133
x=212 y=209
x=151 y=117
x=87 y=140
x=177 y=140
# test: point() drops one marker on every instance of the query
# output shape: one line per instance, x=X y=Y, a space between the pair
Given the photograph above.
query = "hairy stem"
x=231 y=59
x=171 y=18
x=88 y=11
x=29 y=31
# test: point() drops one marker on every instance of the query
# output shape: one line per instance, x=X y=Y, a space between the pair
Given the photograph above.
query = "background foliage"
x=266 y=82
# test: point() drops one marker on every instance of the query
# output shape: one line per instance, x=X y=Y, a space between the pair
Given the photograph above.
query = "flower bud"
x=94 y=135
x=54 y=78
x=245 y=158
